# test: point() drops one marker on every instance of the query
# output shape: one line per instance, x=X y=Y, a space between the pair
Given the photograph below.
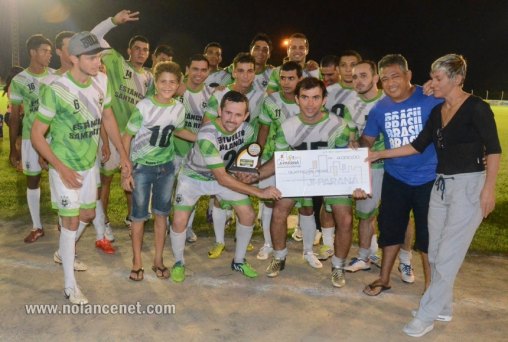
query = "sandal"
x=137 y=273
x=375 y=288
x=161 y=273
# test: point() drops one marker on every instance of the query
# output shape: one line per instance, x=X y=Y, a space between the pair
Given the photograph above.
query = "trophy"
x=247 y=159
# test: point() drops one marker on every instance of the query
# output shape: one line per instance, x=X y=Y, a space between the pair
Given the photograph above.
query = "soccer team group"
x=174 y=134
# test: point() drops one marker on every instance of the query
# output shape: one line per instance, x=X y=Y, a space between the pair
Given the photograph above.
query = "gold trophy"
x=247 y=159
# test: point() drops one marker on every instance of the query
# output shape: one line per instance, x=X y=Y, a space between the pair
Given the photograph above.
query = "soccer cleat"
x=264 y=252
x=338 y=277
x=317 y=237
x=375 y=260
x=178 y=272
x=325 y=252
x=312 y=260
x=108 y=232
x=297 y=234
x=406 y=273
x=105 y=246
x=418 y=328
x=34 y=235
x=191 y=237
x=244 y=268
x=441 y=318
x=75 y=296
x=216 y=250
x=357 y=264
x=78 y=265
x=276 y=265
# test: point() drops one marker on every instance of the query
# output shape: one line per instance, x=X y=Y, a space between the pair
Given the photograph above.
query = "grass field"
x=491 y=238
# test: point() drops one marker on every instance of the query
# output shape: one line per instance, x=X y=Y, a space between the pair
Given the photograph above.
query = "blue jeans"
x=157 y=180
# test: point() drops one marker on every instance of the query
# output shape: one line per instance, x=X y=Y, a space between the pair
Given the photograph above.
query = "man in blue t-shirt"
x=407 y=181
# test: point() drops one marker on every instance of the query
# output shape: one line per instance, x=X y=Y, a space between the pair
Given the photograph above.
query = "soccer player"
x=277 y=108
x=24 y=91
x=130 y=82
x=73 y=107
x=297 y=51
x=162 y=53
x=329 y=68
x=261 y=48
x=206 y=173
x=407 y=181
x=311 y=129
x=195 y=99
x=216 y=75
x=149 y=138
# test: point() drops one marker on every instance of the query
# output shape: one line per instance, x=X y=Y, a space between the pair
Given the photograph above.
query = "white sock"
x=281 y=254
x=261 y=207
x=67 y=251
x=178 y=244
x=373 y=245
x=81 y=229
x=363 y=253
x=210 y=205
x=338 y=262
x=219 y=223
x=405 y=257
x=243 y=235
x=328 y=236
x=266 y=218
x=33 y=198
x=308 y=226
x=99 y=221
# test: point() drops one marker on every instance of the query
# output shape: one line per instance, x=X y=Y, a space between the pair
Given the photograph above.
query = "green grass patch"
x=491 y=237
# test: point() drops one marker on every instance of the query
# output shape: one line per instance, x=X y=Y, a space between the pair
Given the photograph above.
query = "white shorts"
x=367 y=208
x=189 y=190
x=30 y=159
x=70 y=201
x=113 y=164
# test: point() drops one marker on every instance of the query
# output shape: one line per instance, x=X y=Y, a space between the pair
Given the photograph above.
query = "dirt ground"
x=216 y=304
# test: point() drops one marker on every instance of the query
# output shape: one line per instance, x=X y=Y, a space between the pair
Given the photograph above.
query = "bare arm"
x=186 y=135
x=263 y=134
x=267 y=169
x=101 y=29
x=127 y=179
x=14 y=125
x=105 y=152
x=488 y=194
x=230 y=182
x=70 y=178
x=402 y=151
x=111 y=127
x=367 y=141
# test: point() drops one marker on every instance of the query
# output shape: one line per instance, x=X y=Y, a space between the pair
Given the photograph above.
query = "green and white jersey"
x=74 y=113
x=195 y=103
x=336 y=99
x=24 y=90
x=274 y=81
x=152 y=124
x=216 y=148
x=263 y=78
x=254 y=96
x=275 y=110
x=128 y=85
x=330 y=132
x=220 y=77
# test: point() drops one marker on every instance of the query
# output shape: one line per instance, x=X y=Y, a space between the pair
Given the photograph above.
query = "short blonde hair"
x=452 y=64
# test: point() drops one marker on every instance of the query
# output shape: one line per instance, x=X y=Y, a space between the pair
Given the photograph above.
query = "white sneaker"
x=338 y=277
x=357 y=264
x=406 y=273
x=417 y=328
x=191 y=237
x=317 y=237
x=297 y=234
x=264 y=252
x=108 y=233
x=78 y=265
x=441 y=318
x=312 y=260
x=325 y=252
x=375 y=260
x=75 y=295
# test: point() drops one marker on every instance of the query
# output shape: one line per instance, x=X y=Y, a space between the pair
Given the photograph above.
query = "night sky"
x=420 y=30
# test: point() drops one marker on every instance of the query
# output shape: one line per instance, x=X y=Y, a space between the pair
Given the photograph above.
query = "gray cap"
x=84 y=43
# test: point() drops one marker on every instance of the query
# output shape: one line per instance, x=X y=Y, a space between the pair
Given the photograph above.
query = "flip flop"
x=137 y=272
x=162 y=272
x=373 y=286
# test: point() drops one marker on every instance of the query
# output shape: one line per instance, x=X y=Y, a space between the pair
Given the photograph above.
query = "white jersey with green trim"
x=24 y=90
x=337 y=96
x=215 y=148
x=220 y=77
x=330 y=132
x=263 y=78
x=254 y=95
x=359 y=109
x=74 y=113
x=153 y=124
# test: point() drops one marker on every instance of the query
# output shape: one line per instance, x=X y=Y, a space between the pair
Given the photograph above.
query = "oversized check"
x=322 y=172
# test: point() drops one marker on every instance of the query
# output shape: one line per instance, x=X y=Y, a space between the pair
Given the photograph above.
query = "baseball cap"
x=84 y=43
